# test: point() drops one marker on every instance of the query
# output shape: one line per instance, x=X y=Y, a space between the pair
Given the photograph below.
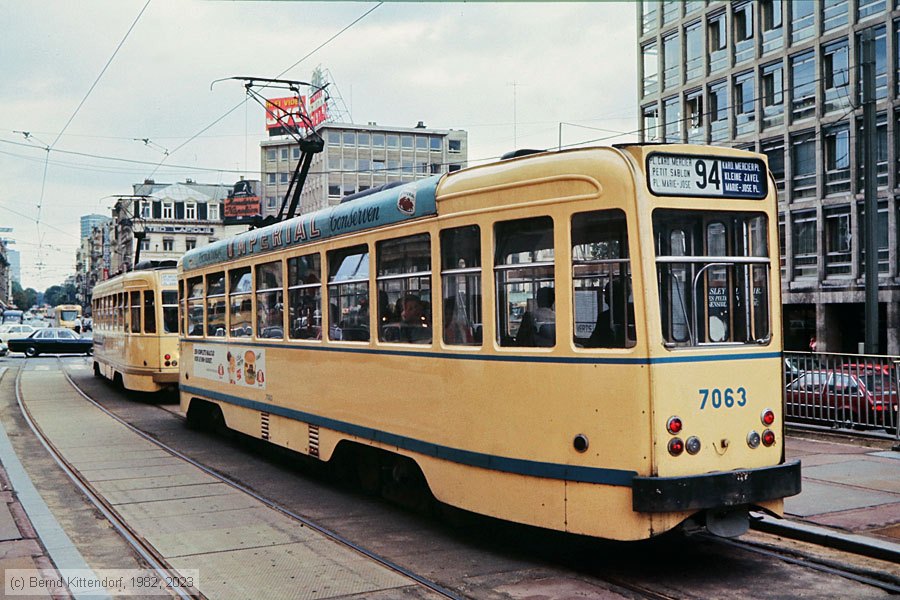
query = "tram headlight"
x=674 y=425
x=692 y=445
x=767 y=417
x=768 y=437
x=676 y=446
x=753 y=439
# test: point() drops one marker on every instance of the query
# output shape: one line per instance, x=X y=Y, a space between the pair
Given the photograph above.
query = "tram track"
x=305 y=521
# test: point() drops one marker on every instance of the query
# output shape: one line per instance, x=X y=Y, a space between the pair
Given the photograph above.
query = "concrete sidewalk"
x=847 y=486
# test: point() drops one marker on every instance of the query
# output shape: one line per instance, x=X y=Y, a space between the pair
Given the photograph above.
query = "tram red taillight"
x=768 y=437
x=674 y=425
x=676 y=446
x=767 y=417
x=168 y=357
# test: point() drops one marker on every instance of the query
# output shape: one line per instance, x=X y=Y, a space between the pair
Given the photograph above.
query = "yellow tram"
x=585 y=341
x=65 y=315
x=136 y=329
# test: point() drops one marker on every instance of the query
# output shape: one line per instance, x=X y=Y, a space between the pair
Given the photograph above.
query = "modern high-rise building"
x=356 y=158
x=88 y=222
x=15 y=265
x=784 y=79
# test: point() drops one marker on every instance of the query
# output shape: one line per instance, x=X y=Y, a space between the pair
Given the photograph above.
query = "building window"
x=270 y=201
x=805 y=246
x=881 y=154
x=869 y=8
x=454 y=145
x=334 y=138
x=671 y=11
x=146 y=209
x=834 y=14
x=271 y=155
x=190 y=211
x=880 y=62
x=718 y=111
x=145 y=244
x=672 y=117
x=671 y=61
x=284 y=153
x=362 y=139
x=651 y=68
x=837 y=159
x=803 y=85
x=168 y=210
x=270 y=178
x=649 y=15
x=295 y=152
x=334 y=191
x=772 y=25
x=774 y=151
x=693 y=5
x=803 y=165
x=882 y=233
x=744 y=106
x=435 y=144
x=718 y=41
x=802 y=20
x=349 y=138
x=838 y=251
x=283 y=178
x=650 y=125
x=406 y=142
x=694 y=117
x=190 y=244
x=773 y=95
x=378 y=140
x=693 y=46
x=836 y=75
x=743 y=31
x=168 y=244
x=212 y=211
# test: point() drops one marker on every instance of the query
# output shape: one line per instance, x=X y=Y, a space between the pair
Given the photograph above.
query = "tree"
x=24 y=299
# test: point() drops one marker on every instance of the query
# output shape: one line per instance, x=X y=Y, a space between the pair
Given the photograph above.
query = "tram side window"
x=170 y=311
x=714 y=271
x=135 y=310
x=461 y=282
x=240 y=290
x=305 y=297
x=149 y=311
x=181 y=311
x=269 y=301
x=601 y=279
x=195 y=306
x=348 y=294
x=404 y=290
x=216 y=304
x=524 y=274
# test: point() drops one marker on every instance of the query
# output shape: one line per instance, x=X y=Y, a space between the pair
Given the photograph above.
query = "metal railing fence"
x=853 y=391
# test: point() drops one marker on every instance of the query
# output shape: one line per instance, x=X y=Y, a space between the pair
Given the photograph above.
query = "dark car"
x=849 y=396
x=52 y=340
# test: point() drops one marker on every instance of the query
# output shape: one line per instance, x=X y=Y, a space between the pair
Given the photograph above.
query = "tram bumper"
x=715 y=490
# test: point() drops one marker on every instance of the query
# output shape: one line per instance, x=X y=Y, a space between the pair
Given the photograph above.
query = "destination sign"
x=691 y=175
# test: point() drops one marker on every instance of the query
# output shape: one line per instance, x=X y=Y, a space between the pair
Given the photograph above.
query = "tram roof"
x=406 y=202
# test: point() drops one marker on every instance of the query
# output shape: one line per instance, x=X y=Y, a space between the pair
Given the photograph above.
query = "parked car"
x=4 y=350
x=843 y=396
x=52 y=340
x=13 y=331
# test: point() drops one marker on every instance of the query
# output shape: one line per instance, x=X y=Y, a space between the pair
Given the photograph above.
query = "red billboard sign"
x=283 y=114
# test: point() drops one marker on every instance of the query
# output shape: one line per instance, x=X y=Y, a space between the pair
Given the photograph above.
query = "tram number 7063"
x=718 y=398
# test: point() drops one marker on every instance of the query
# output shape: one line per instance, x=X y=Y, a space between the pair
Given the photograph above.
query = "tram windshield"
x=714 y=272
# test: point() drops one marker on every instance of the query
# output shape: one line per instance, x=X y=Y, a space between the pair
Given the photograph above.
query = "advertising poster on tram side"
x=231 y=364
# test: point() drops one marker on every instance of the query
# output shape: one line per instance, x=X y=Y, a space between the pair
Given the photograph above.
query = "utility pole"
x=870 y=166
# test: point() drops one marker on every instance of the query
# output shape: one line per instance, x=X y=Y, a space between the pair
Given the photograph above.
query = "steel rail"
x=141 y=546
x=884 y=581
x=387 y=563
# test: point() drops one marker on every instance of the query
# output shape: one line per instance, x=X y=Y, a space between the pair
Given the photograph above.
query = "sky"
x=90 y=81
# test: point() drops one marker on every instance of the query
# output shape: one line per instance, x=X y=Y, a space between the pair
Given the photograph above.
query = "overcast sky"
x=508 y=73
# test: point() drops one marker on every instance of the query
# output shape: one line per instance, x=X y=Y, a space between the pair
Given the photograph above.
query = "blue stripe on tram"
x=518 y=466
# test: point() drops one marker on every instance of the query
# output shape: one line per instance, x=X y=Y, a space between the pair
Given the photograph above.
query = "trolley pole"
x=870 y=166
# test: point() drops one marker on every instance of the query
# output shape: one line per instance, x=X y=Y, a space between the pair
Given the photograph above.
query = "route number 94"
x=718 y=398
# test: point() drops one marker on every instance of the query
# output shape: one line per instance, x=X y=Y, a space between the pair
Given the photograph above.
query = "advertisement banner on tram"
x=231 y=364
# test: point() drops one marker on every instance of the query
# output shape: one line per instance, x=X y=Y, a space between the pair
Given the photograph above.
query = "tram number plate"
x=719 y=398
x=690 y=175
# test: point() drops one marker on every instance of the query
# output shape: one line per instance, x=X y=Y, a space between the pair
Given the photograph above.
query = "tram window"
x=240 y=290
x=714 y=271
x=461 y=282
x=195 y=306
x=181 y=300
x=135 y=306
x=215 y=304
x=149 y=312
x=305 y=297
x=524 y=274
x=170 y=311
x=404 y=289
x=348 y=294
x=601 y=279
x=269 y=301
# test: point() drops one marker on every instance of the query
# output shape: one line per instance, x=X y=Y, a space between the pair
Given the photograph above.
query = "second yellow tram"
x=135 y=329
